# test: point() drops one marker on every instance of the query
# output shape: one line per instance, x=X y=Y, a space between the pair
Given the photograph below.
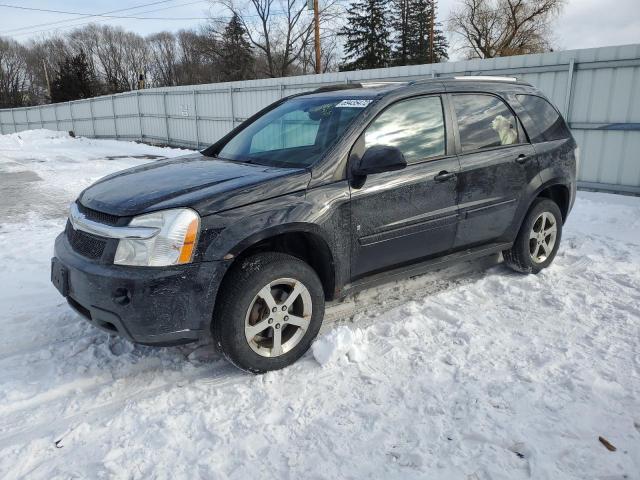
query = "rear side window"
x=415 y=126
x=484 y=121
x=544 y=123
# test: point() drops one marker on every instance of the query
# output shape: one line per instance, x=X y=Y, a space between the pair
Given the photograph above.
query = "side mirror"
x=378 y=159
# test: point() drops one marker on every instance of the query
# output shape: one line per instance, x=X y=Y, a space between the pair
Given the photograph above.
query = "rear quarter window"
x=543 y=123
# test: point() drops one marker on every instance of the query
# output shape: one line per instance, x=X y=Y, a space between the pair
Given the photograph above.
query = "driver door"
x=408 y=215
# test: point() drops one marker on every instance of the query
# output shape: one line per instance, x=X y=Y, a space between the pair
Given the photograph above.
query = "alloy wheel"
x=278 y=317
x=542 y=238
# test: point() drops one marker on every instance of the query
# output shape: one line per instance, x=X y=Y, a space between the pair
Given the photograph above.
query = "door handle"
x=444 y=176
x=522 y=158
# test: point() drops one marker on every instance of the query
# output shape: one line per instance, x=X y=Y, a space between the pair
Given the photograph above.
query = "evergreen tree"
x=412 y=23
x=236 y=56
x=423 y=13
x=368 y=37
x=74 y=80
x=401 y=22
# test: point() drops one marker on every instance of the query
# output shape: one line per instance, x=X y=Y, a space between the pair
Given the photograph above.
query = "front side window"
x=294 y=134
x=544 y=123
x=294 y=129
x=484 y=121
x=415 y=126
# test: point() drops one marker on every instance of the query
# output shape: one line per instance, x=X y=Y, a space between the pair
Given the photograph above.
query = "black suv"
x=312 y=198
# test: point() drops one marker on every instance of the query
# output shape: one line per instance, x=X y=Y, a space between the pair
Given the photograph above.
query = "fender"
x=294 y=227
x=557 y=161
x=322 y=252
x=525 y=204
x=554 y=182
x=532 y=192
x=240 y=228
x=234 y=245
x=323 y=212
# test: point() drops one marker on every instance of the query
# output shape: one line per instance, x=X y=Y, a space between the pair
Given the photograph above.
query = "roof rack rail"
x=382 y=83
x=486 y=78
x=335 y=87
x=426 y=79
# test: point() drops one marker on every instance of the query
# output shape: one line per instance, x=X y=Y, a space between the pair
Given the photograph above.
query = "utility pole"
x=316 y=18
x=46 y=76
x=433 y=12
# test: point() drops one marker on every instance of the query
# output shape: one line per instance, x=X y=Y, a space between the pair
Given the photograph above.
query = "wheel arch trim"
x=328 y=276
x=274 y=231
x=554 y=182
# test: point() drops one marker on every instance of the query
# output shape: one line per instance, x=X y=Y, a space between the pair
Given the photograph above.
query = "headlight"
x=174 y=244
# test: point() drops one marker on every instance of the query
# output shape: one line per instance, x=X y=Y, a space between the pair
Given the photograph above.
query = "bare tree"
x=13 y=74
x=498 y=28
x=37 y=88
x=282 y=33
x=45 y=54
x=279 y=30
x=87 y=40
x=273 y=38
x=198 y=57
x=117 y=56
x=164 y=59
x=136 y=58
x=23 y=80
x=328 y=54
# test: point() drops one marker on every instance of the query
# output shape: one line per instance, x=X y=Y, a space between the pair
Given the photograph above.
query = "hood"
x=206 y=184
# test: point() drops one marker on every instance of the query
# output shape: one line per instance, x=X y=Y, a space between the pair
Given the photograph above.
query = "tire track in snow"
x=27 y=349
x=403 y=291
x=221 y=376
x=350 y=310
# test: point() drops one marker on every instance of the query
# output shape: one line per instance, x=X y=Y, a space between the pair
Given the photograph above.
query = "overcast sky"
x=583 y=23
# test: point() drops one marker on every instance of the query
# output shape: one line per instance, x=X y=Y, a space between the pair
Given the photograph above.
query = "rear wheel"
x=538 y=239
x=269 y=311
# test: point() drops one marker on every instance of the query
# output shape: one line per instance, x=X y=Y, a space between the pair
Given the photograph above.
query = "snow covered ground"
x=474 y=372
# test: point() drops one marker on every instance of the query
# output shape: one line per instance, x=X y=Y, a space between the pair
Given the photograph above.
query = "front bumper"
x=148 y=305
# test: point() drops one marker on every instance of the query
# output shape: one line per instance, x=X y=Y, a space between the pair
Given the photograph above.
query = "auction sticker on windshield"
x=353 y=103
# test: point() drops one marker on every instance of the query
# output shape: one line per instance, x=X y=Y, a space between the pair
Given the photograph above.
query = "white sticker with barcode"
x=353 y=103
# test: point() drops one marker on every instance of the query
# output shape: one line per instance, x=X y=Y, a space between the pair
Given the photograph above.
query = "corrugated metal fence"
x=598 y=91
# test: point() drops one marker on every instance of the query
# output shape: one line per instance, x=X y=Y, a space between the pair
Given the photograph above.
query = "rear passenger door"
x=496 y=165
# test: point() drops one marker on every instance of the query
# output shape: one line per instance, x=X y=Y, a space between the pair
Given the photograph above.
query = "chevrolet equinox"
x=312 y=198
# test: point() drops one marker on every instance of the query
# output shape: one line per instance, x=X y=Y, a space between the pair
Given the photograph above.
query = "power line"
x=105 y=16
x=62 y=27
x=96 y=14
x=84 y=15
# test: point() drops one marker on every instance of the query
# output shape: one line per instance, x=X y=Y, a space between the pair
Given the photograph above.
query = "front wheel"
x=538 y=240
x=269 y=311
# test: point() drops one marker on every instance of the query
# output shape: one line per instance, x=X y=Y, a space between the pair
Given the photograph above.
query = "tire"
x=246 y=302
x=523 y=256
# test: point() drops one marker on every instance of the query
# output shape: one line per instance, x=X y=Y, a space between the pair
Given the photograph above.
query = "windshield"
x=294 y=134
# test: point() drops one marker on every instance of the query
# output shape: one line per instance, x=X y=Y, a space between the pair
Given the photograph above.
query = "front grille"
x=97 y=216
x=85 y=244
